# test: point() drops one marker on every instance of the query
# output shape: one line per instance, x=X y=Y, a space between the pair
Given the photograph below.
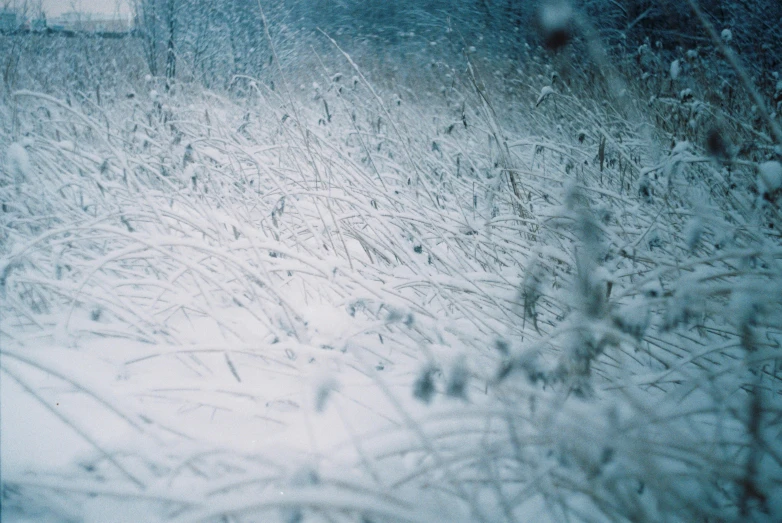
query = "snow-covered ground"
x=331 y=302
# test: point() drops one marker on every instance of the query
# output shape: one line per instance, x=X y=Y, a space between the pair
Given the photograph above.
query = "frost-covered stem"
x=391 y=121
x=294 y=107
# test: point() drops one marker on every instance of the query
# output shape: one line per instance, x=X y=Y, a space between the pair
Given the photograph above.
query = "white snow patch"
x=769 y=176
x=18 y=162
x=544 y=93
x=676 y=69
x=681 y=148
x=25 y=425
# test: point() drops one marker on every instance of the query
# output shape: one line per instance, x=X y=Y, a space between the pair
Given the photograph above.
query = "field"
x=357 y=287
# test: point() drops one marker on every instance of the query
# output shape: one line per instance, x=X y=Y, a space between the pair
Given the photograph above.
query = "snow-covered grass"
x=467 y=297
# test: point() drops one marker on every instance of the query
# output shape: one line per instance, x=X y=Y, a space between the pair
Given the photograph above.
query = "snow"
x=545 y=92
x=25 y=424
x=227 y=305
x=680 y=148
x=18 y=162
x=769 y=176
x=675 y=70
